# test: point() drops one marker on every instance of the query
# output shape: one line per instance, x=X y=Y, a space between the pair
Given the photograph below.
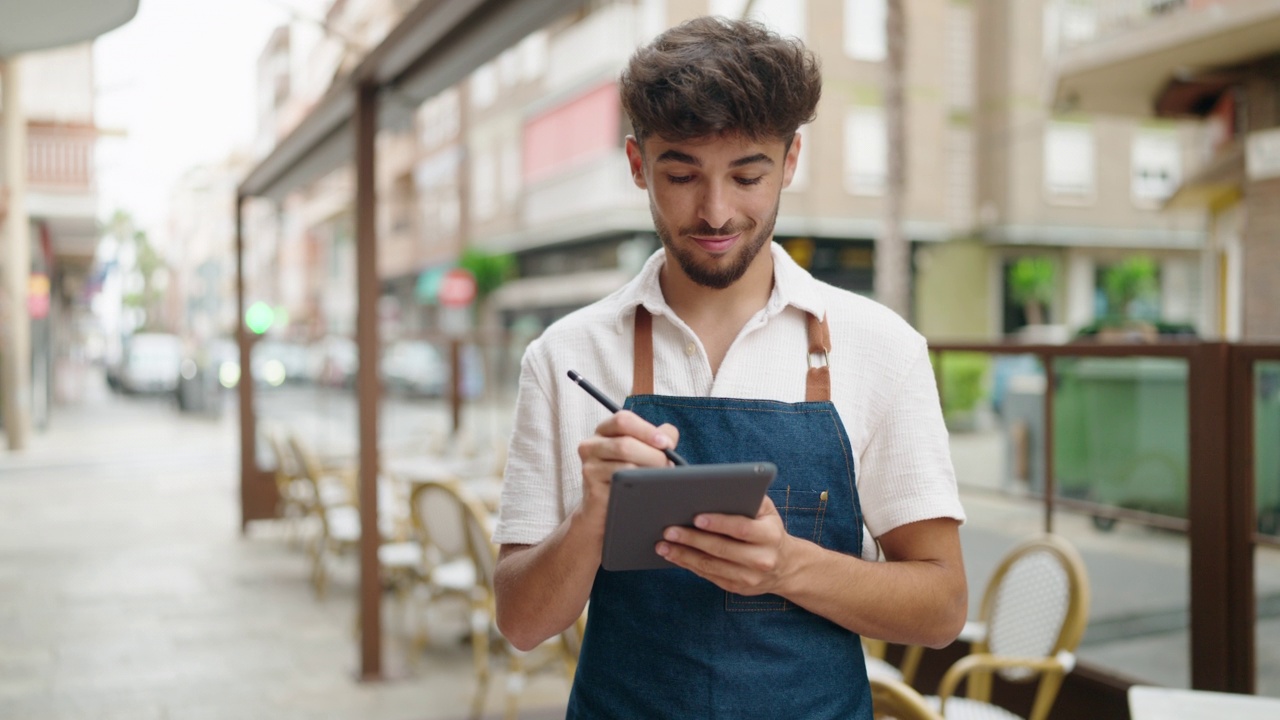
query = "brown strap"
x=817 y=381
x=817 y=386
x=642 y=373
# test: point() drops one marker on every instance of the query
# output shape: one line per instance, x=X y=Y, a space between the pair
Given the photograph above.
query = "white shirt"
x=882 y=385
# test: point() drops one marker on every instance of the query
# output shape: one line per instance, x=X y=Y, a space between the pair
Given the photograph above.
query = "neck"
x=698 y=305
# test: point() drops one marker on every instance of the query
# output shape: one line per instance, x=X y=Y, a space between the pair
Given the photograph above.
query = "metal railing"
x=1221 y=519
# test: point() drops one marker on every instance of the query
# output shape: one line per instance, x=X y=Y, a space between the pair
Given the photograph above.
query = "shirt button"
x=690 y=349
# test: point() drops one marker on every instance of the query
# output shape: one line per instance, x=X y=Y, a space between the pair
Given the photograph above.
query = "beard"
x=712 y=275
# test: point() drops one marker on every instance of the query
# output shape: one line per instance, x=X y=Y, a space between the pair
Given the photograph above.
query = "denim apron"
x=668 y=644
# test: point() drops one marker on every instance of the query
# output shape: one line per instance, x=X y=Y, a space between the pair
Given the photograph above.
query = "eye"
x=749 y=181
x=679 y=179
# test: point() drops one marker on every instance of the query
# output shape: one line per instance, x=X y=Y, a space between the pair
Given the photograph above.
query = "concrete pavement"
x=127 y=591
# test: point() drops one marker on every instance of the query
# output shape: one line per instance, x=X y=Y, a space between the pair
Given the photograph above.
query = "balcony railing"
x=60 y=158
x=1072 y=23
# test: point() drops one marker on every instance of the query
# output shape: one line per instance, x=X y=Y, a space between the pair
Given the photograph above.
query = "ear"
x=635 y=158
x=790 y=161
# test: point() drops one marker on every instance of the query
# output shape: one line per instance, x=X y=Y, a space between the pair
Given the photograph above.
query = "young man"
x=726 y=346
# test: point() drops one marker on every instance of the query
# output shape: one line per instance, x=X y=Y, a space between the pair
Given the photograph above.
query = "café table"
x=1148 y=702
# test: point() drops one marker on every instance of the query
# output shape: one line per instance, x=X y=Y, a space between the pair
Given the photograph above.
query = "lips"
x=717 y=243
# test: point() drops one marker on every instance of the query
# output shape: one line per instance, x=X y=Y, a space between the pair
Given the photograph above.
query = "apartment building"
x=1215 y=61
x=992 y=175
x=526 y=157
x=61 y=202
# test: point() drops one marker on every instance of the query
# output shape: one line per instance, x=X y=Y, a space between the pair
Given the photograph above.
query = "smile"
x=716 y=244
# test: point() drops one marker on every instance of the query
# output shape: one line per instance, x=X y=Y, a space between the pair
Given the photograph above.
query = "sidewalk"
x=127 y=590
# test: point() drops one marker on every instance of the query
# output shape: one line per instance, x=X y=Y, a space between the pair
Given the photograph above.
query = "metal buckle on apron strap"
x=819 y=359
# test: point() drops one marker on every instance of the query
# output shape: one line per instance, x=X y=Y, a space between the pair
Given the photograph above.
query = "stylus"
x=612 y=406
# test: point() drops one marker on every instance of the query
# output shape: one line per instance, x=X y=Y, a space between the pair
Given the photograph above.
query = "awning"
x=435 y=46
x=30 y=25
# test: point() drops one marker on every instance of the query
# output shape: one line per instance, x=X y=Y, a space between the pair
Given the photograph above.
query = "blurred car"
x=151 y=363
x=414 y=367
x=275 y=362
x=332 y=361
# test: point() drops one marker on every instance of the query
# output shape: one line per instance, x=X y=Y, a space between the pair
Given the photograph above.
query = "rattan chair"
x=333 y=505
x=559 y=653
x=1033 y=614
x=292 y=487
x=899 y=701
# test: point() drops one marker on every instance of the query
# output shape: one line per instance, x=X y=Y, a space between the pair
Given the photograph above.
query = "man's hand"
x=747 y=556
x=625 y=440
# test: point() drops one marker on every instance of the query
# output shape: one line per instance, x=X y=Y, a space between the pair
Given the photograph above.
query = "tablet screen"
x=645 y=501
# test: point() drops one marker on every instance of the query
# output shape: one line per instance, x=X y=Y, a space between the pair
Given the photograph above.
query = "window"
x=865 y=151
x=864 y=29
x=484 y=86
x=533 y=56
x=785 y=17
x=1155 y=164
x=511 y=173
x=1067 y=24
x=1069 y=161
x=484 y=185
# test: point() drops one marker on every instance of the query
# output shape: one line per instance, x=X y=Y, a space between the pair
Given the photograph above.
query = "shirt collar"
x=792 y=285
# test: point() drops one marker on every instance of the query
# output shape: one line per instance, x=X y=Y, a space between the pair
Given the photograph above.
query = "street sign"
x=457 y=288
x=38 y=296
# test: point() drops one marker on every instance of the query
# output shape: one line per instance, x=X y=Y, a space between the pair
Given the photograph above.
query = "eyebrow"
x=687 y=159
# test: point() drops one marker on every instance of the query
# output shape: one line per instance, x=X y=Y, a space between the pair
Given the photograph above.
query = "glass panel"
x=1121 y=445
x=1266 y=449
x=1120 y=434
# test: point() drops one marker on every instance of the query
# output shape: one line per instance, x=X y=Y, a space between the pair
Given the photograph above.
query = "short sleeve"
x=907 y=474
x=531 y=506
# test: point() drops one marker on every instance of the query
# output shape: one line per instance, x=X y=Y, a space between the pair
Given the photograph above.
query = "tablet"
x=645 y=501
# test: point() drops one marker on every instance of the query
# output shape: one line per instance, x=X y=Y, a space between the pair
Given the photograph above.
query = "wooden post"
x=369 y=390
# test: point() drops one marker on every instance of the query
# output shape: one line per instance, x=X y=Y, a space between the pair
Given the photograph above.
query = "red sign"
x=38 y=296
x=457 y=288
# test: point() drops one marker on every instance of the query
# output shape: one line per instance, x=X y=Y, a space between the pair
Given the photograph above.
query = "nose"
x=714 y=207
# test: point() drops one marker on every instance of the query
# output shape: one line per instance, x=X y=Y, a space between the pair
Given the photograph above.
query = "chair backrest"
x=896 y=699
x=437 y=512
x=309 y=469
x=1036 y=604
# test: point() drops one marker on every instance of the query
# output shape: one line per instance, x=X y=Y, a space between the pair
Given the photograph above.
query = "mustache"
x=705 y=230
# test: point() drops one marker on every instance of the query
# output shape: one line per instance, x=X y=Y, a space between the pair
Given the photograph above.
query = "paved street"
x=127 y=591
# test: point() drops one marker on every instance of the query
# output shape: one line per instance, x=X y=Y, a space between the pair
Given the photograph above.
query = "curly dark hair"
x=710 y=75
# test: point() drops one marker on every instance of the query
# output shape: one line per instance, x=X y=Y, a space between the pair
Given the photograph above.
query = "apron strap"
x=642 y=373
x=817 y=385
x=817 y=381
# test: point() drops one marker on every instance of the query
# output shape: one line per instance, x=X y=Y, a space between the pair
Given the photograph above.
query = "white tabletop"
x=1158 y=703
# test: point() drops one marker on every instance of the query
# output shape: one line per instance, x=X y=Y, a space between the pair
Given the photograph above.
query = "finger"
x=627 y=423
x=623 y=449
x=672 y=433
x=723 y=573
x=757 y=530
x=709 y=543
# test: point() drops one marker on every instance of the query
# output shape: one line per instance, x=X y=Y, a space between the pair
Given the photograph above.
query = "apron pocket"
x=803 y=513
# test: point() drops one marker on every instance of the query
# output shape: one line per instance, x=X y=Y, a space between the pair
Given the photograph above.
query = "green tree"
x=491 y=270
x=1134 y=279
x=1032 y=281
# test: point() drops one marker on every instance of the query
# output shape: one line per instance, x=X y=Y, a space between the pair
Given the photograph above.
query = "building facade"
x=1214 y=61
